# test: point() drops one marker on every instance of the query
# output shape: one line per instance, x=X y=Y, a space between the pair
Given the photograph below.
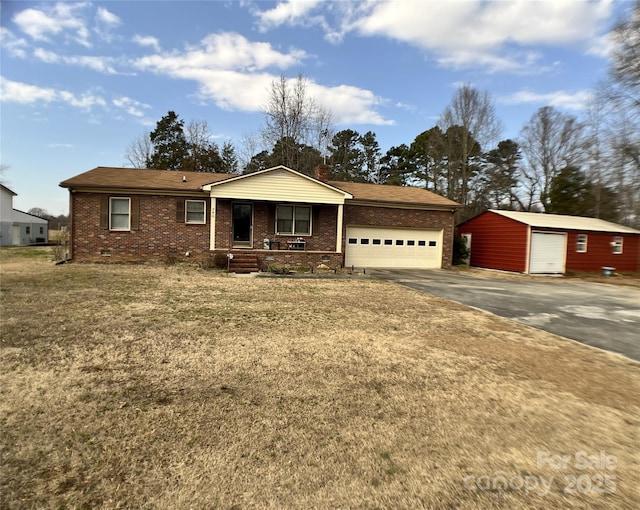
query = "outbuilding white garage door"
x=548 y=251
x=393 y=247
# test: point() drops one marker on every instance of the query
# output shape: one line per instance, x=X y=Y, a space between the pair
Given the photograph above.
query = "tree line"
x=558 y=163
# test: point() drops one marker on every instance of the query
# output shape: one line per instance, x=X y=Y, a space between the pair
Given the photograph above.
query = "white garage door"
x=393 y=247
x=548 y=251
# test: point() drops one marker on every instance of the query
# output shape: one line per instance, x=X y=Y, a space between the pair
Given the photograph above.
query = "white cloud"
x=234 y=73
x=490 y=35
x=496 y=36
x=24 y=93
x=226 y=66
x=60 y=146
x=105 y=23
x=147 y=41
x=349 y=105
x=11 y=44
x=130 y=106
x=222 y=51
x=289 y=12
x=561 y=99
x=97 y=63
x=61 y=18
x=107 y=18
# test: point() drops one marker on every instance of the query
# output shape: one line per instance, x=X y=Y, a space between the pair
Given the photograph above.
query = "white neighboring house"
x=19 y=228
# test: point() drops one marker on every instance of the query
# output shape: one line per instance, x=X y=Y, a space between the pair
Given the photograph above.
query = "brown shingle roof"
x=166 y=180
x=131 y=178
x=393 y=194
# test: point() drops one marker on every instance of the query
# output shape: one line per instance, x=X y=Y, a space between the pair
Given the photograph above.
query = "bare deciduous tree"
x=625 y=57
x=550 y=141
x=39 y=212
x=139 y=151
x=473 y=111
x=293 y=119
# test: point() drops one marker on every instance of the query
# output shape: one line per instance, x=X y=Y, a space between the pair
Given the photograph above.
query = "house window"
x=581 y=243
x=422 y=243
x=41 y=230
x=27 y=230
x=119 y=213
x=376 y=241
x=399 y=242
x=194 y=211
x=364 y=241
x=388 y=242
x=616 y=245
x=353 y=240
x=411 y=243
x=294 y=220
x=433 y=244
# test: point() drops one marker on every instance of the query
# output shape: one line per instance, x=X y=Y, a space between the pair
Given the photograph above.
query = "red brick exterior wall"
x=159 y=234
x=324 y=219
x=358 y=215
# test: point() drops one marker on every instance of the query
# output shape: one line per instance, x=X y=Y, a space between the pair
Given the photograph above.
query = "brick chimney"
x=321 y=172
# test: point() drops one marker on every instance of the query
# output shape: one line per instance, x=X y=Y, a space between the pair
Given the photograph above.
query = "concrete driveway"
x=600 y=315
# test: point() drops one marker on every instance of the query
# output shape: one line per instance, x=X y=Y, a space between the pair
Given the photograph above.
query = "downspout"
x=70 y=228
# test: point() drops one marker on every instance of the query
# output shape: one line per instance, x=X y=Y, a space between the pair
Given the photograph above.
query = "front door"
x=242 y=225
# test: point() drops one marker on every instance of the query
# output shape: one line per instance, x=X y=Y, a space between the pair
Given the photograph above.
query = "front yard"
x=171 y=387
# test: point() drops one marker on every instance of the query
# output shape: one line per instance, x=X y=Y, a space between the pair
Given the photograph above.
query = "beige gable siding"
x=278 y=186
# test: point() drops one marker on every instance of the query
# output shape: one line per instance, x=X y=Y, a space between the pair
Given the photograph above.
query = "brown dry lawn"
x=173 y=387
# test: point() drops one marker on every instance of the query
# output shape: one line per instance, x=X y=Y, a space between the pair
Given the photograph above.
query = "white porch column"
x=339 y=228
x=212 y=230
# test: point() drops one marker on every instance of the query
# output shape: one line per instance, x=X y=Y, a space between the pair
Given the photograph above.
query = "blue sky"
x=81 y=80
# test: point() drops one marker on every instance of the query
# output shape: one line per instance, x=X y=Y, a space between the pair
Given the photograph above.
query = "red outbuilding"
x=549 y=243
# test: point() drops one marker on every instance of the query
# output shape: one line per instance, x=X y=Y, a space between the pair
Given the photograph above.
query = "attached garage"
x=548 y=252
x=393 y=247
x=539 y=243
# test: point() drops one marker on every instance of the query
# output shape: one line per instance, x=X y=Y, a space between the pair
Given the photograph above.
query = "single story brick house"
x=276 y=215
x=549 y=243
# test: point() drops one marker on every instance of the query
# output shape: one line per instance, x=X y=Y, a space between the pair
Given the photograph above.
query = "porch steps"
x=243 y=262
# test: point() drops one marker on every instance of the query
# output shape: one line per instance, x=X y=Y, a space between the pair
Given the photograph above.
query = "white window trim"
x=128 y=199
x=617 y=245
x=204 y=212
x=585 y=243
x=293 y=221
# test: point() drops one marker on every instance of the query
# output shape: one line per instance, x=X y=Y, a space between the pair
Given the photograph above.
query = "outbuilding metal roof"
x=564 y=222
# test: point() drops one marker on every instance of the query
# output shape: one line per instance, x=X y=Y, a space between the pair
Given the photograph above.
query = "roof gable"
x=4 y=188
x=566 y=222
x=279 y=184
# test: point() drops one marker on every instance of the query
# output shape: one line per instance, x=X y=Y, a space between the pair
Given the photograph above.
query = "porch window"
x=616 y=245
x=581 y=243
x=294 y=220
x=195 y=211
x=119 y=213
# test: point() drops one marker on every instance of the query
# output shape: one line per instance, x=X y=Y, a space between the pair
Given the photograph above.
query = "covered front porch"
x=280 y=216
